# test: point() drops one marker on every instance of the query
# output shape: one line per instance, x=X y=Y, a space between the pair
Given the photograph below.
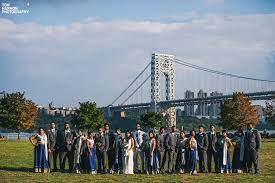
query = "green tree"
x=88 y=116
x=152 y=120
x=270 y=111
x=16 y=112
x=237 y=112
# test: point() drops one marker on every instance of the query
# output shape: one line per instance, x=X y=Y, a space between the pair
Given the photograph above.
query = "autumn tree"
x=237 y=112
x=88 y=116
x=16 y=112
x=270 y=111
x=152 y=120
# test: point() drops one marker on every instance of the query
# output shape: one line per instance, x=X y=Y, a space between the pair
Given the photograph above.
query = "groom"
x=139 y=153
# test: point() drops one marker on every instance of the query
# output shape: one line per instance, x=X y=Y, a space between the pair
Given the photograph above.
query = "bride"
x=128 y=146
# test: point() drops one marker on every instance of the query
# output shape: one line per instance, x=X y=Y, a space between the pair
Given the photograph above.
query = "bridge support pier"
x=163 y=64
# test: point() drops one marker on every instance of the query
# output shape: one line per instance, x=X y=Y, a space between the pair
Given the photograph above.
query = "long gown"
x=128 y=157
x=151 y=157
x=90 y=156
x=41 y=161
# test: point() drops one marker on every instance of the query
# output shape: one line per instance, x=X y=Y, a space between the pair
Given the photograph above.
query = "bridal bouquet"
x=124 y=147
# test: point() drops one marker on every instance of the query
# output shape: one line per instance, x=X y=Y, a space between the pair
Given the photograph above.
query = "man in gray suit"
x=102 y=146
x=52 y=146
x=65 y=139
x=202 y=141
x=171 y=143
x=138 y=136
x=161 y=149
x=252 y=143
x=211 y=150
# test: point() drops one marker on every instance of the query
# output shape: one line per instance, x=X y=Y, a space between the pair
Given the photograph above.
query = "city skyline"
x=96 y=52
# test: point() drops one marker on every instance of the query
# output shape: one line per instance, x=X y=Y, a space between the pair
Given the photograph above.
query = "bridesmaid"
x=39 y=140
x=151 y=154
x=224 y=156
x=182 y=155
x=128 y=147
x=89 y=155
x=193 y=154
x=238 y=155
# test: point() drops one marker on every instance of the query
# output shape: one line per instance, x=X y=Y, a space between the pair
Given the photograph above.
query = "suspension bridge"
x=201 y=90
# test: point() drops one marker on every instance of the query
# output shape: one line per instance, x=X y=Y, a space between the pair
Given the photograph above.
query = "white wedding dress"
x=129 y=158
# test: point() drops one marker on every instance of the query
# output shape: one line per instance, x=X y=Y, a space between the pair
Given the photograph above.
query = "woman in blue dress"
x=40 y=141
x=192 y=153
x=182 y=153
x=151 y=154
x=88 y=153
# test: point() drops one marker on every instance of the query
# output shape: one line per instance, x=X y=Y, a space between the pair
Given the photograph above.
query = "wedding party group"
x=168 y=151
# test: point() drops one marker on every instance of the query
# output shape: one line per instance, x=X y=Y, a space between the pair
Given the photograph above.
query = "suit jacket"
x=110 y=138
x=138 y=135
x=52 y=138
x=202 y=141
x=252 y=140
x=117 y=145
x=160 y=142
x=63 y=138
x=171 y=142
x=212 y=141
x=102 y=142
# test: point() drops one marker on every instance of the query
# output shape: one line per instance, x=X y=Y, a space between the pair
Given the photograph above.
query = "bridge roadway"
x=266 y=95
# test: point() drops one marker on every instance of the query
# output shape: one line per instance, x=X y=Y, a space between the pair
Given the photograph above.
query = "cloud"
x=95 y=60
x=213 y=1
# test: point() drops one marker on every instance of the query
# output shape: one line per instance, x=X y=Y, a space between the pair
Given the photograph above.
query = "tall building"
x=189 y=109
x=202 y=106
x=215 y=107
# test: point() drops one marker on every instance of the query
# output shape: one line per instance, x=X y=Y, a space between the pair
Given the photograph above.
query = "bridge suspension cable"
x=148 y=77
x=187 y=64
x=136 y=78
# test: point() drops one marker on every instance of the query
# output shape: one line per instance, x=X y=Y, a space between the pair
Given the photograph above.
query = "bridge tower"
x=163 y=64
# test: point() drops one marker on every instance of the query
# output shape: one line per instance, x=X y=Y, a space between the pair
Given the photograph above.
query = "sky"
x=69 y=51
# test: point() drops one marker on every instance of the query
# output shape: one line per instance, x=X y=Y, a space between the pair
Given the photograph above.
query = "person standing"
x=52 y=146
x=118 y=155
x=192 y=153
x=65 y=139
x=110 y=151
x=161 y=149
x=211 y=150
x=102 y=146
x=181 y=152
x=139 y=153
x=128 y=147
x=78 y=160
x=238 y=155
x=171 y=143
x=224 y=155
x=202 y=142
x=151 y=154
x=252 y=141
x=41 y=161
x=89 y=154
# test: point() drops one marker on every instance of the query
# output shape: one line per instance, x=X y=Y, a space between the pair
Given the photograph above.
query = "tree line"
x=19 y=114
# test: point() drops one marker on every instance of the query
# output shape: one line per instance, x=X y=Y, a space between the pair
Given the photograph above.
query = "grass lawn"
x=16 y=162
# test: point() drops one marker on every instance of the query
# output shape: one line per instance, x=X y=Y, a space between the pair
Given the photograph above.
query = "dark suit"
x=118 y=156
x=52 y=145
x=212 y=151
x=110 y=151
x=65 y=149
x=171 y=144
x=252 y=143
x=202 y=141
x=161 y=151
x=102 y=146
